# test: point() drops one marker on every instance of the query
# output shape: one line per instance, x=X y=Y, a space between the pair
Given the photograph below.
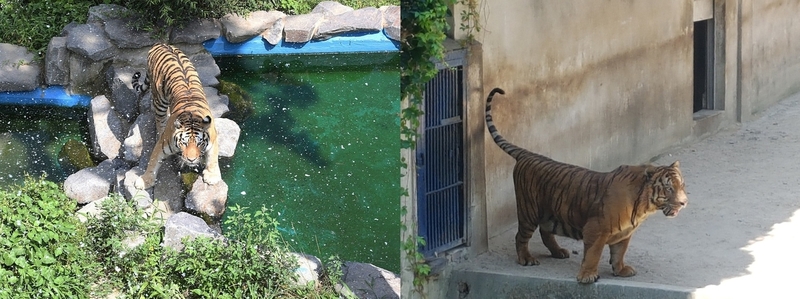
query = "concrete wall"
x=592 y=83
x=770 y=52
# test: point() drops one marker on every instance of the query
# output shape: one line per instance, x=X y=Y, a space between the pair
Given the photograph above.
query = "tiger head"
x=191 y=137
x=668 y=189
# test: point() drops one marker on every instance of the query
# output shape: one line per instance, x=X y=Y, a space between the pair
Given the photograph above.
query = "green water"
x=321 y=150
x=30 y=139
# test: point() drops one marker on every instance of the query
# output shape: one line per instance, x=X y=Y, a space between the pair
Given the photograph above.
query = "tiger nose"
x=191 y=160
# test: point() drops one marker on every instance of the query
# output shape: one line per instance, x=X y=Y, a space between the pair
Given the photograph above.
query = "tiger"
x=184 y=123
x=600 y=208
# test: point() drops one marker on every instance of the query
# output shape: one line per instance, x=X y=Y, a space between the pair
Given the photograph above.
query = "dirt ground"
x=739 y=236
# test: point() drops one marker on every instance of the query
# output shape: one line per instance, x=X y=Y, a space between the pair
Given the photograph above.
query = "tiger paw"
x=211 y=177
x=144 y=182
x=561 y=253
x=588 y=277
x=527 y=260
x=626 y=271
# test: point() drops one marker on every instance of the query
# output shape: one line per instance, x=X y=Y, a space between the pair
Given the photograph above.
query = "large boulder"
x=106 y=129
x=391 y=21
x=227 y=136
x=369 y=281
x=217 y=102
x=86 y=76
x=18 y=70
x=56 y=65
x=93 y=183
x=196 y=31
x=238 y=29
x=184 y=225
x=103 y=12
x=141 y=138
x=208 y=199
x=206 y=67
x=309 y=269
x=367 y=19
x=123 y=97
x=331 y=8
x=124 y=35
x=274 y=34
x=90 y=41
x=300 y=28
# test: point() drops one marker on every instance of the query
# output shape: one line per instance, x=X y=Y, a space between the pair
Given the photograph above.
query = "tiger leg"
x=593 y=243
x=148 y=179
x=524 y=234
x=211 y=174
x=550 y=242
x=617 y=256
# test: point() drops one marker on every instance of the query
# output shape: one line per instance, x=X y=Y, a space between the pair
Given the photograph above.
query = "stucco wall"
x=770 y=51
x=592 y=83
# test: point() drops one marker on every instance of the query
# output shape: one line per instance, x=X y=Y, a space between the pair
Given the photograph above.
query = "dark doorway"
x=704 y=65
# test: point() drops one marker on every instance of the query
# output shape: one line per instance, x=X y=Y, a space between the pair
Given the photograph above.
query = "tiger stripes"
x=184 y=121
x=600 y=208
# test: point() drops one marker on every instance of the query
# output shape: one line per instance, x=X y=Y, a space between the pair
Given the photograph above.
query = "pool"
x=321 y=149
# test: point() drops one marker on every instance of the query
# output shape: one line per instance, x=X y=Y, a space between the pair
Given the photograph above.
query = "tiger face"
x=192 y=139
x=670 y=195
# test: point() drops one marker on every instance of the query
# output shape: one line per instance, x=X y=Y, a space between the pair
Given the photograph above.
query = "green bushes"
x=46 y=252
x=41 y=254
x=35 y=22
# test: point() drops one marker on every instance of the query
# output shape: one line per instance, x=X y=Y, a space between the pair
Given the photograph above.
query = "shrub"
x=41 y=254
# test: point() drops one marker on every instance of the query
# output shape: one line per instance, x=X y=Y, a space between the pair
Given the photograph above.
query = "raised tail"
x=511 y=149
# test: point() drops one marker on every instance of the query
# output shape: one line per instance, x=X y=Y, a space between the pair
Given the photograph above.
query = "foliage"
x=35 y=22
x=41 y=254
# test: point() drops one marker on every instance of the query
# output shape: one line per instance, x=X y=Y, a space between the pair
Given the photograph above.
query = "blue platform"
x=346 y=43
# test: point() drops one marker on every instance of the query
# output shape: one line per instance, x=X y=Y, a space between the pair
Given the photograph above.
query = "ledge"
x=344 y=43
x=50 y=96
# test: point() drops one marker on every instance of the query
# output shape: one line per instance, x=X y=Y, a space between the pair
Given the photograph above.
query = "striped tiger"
x=600 y=208
x=183 y=119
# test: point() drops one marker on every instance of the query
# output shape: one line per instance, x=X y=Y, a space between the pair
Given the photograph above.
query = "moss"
x=240 y=102
x=74 y=156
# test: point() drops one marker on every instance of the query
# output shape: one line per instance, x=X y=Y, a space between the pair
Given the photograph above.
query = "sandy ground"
x=739 y=236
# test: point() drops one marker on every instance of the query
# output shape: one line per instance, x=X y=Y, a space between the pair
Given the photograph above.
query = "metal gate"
x=440 y=164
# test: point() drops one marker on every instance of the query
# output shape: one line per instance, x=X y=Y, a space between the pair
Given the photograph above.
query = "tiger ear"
x=207 y=119
x=675 y=164
x=177 y=123
x=649 y=170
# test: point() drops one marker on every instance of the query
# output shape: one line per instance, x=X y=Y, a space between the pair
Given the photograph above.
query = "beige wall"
x=770 y=51
x=593 y=83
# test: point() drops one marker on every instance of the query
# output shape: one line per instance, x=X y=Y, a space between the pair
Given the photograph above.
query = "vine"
x=424 y=23
x=423 y=31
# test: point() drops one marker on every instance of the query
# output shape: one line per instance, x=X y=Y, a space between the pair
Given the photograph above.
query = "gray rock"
x=207 y=68
x=331 y=8
x=274 y=34
x=130 y=192
x=90 y=41
x=300 y=28
x=391 y=21
x=309 y=269
x=124 y=35
x=91 y=209
x=56 y=66
x=227 y=136
x=363 y=20
x=18 y=70
x=124 y=99
x=169 y=184
x=104 y=12
x=141 y=138
x=146 y=102
x=86 y=75
x=218 y=103
x=238 y=29
x=208 y=199
x=182 y=225
x=105 y=128
x=135 y=58
x=196 y=31
x=92 y=183
x=369 y=281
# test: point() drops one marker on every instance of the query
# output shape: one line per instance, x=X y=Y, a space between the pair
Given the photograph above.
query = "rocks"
x=123 y=34
x=208 y=199
x=300 y=28
x=56 y=70
x=331 y=8
x=105 y=128
x=238 y=29
x=369 y=281
x=90 y=41
x=206 y=68
x=308 y=270
x=18 y=70
x=196 y=31
x=183 y=225
x=93 y=183
x=227 y=136
x=391 y=21
x=367 y=19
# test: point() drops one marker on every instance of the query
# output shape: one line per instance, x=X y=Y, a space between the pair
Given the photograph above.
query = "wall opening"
x=703 y=65
x=441 y=190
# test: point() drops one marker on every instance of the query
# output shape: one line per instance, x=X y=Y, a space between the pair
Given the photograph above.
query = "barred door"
x=440 y=164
